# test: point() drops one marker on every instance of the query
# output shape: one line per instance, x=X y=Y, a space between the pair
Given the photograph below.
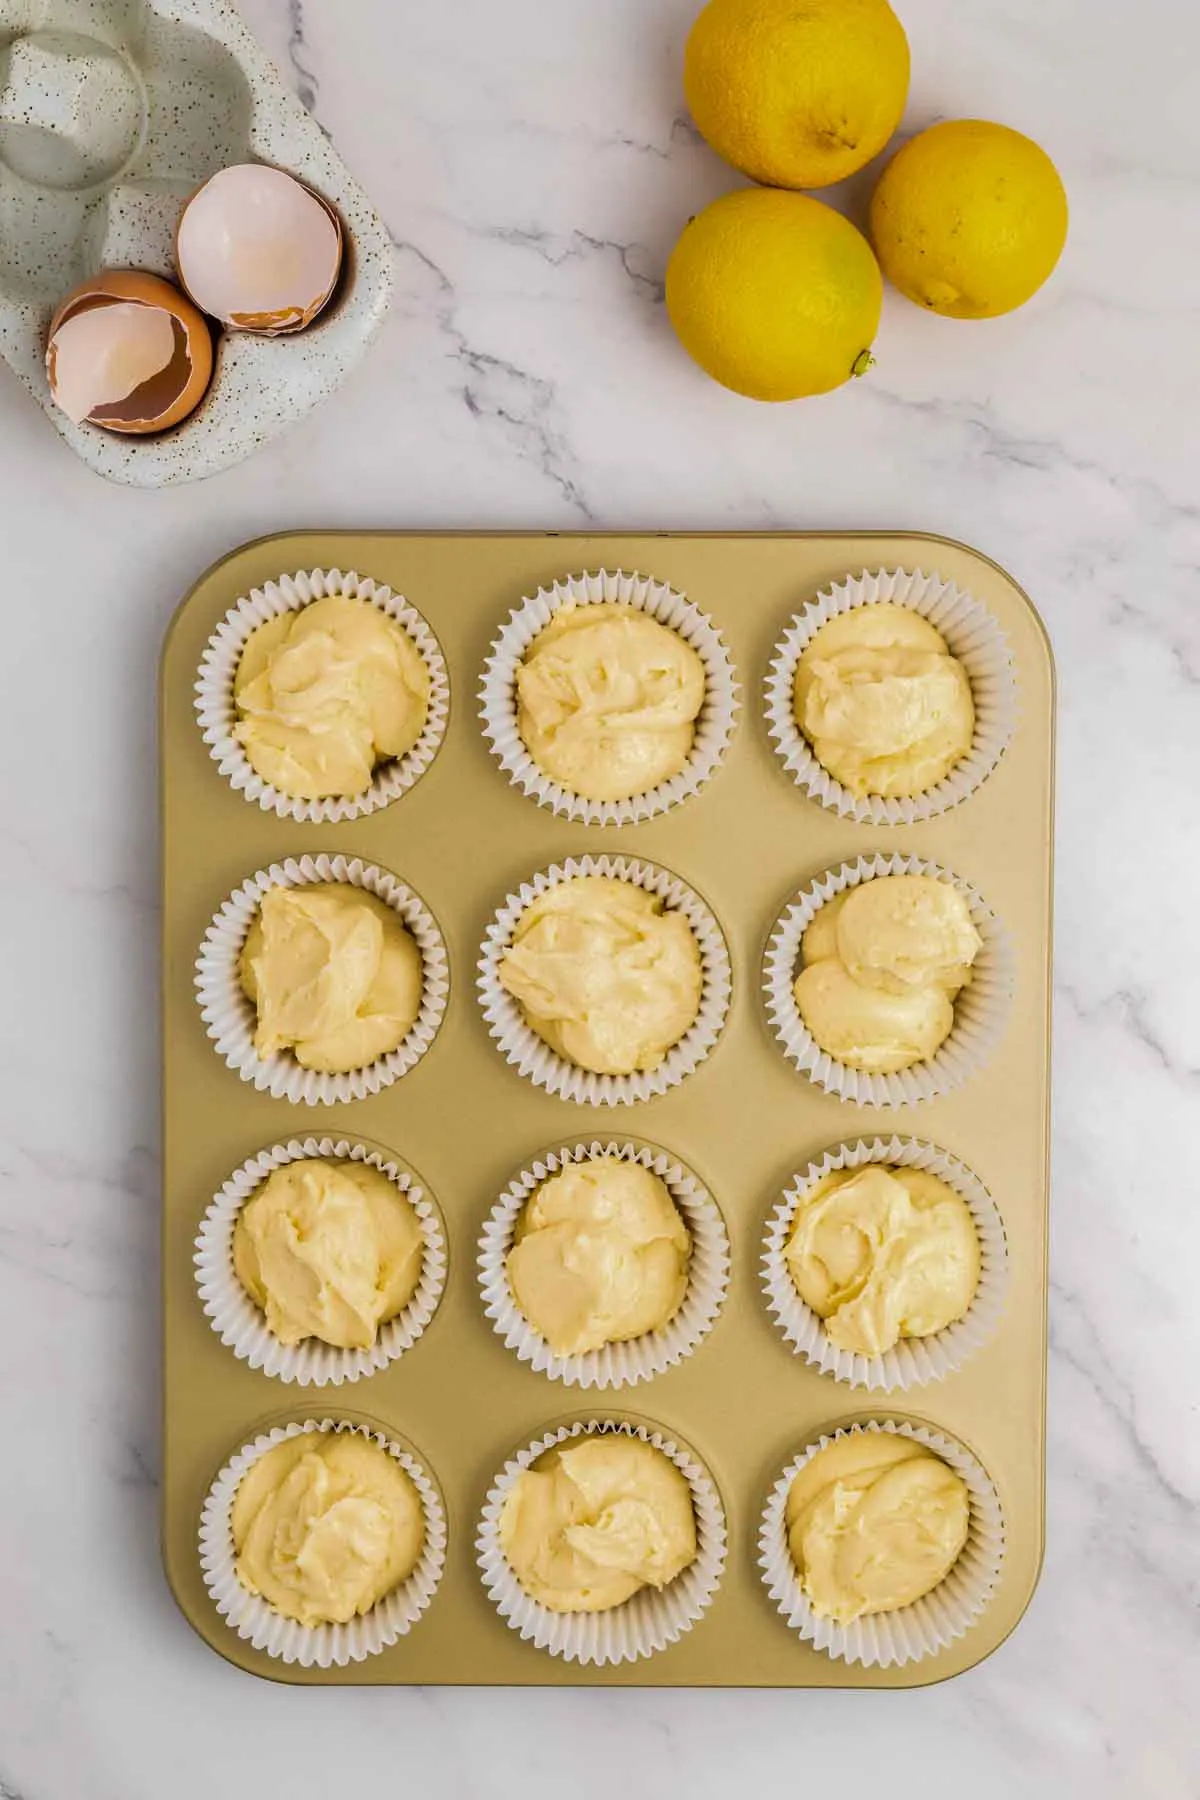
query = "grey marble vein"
x=305 y=79
x=497 y=391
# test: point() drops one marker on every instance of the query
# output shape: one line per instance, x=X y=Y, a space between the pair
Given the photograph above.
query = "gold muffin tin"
x=745 y=1121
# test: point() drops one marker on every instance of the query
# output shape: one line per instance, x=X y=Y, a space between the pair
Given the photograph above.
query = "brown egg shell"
x=177 y=391
x=270 y=324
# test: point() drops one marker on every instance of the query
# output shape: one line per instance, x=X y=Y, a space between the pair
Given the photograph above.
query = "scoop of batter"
x=874 y=1521
x=595 y=1520
x=326 y=693
x=600 y=1255
x=882 y=1253
x=334 y=974
x=607 y=700
x=604 y=973
x=324 y=1525
x=881 y=964
x=886 y=707
x=328 y=1249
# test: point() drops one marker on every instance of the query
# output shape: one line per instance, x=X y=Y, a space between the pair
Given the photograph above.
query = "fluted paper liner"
x=972 y=635
x=654 y=1617
x=217 y=713
x=980 y=1009
x=320 y=1646
x=914 y=1360
x=887 y=1640
x=498 y=694
x=615 y=1365
x=525 y=1050
x=239 y=1323
x=230 y=1015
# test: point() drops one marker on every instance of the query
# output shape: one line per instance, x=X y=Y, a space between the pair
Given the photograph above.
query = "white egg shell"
x=258 y=250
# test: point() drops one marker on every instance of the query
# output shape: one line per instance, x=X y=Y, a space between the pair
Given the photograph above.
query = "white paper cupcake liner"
x=972 y=635
x=887 y=1640
x=525 y=1050
x=239 y=1323
x=498 y=694
x=913 y=1361
x=320 y=1646
x=636 y=1359
x=231 y=1018
x=980 y=1009
x=217 y=712
x=648 y=1622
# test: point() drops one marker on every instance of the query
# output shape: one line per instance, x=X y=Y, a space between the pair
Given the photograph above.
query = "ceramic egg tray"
x=745 y=1121
x=111 y=113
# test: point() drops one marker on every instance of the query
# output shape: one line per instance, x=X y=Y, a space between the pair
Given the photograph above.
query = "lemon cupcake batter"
x=604 y=973
x=325 y=694
x=882 y=1253
x=607 y=700
x=874 y=1521
x=600 y=1255
x=886 y=707
x=334 y=975
x=882 y=963
x=595 y=1520
x=324 y=1525
x=330 y=1250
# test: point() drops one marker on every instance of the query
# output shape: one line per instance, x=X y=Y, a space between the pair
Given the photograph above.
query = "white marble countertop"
x=534 y=165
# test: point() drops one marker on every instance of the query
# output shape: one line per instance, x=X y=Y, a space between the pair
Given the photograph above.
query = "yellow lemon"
x=774 y=294
x=797 y=95
x=969 y=219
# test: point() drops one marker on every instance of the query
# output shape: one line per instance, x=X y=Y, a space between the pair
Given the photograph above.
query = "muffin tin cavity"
x=230 y=1016
x=217 y=712
x=237 y=1320
x=633 y=1360
x=911 y=1634
x=544 y=1067
x=912 y=1361
x=980 y=1009
x=332 y=1645
x=654 y=1618
x=972 y=634
x=499 y=711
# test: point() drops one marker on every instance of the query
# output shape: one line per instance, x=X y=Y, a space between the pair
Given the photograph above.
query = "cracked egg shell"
x=128 y=352
x=259 y=250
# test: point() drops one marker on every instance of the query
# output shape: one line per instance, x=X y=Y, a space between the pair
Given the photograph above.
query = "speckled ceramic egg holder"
x=745 y=1123
x=111 y=113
